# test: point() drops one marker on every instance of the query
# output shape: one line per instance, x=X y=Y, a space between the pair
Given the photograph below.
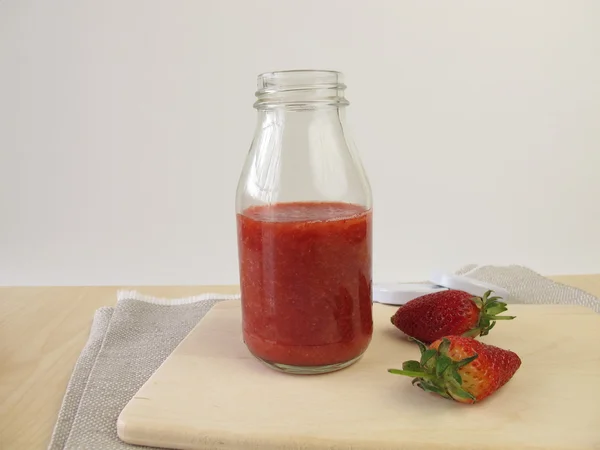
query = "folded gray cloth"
x=527 y=286
x=128 y=343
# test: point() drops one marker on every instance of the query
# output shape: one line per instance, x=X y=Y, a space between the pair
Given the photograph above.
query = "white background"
x=124 y=125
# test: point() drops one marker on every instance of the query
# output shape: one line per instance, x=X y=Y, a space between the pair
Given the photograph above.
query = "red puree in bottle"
x=306 y=282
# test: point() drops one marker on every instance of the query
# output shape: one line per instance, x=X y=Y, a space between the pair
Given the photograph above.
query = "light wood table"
x=42 y=332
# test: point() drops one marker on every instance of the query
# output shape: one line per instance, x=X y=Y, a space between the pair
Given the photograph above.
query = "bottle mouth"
x=305 y=89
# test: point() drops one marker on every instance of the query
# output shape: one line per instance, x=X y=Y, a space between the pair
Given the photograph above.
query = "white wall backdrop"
x=124 y=125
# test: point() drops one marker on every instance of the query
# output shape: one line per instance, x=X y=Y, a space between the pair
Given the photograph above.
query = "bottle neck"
x=302 y=129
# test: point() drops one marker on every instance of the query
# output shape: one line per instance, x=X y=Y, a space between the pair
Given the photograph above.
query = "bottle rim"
x=300 y=86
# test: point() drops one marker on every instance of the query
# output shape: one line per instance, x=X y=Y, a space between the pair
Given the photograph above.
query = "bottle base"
x=308 y=370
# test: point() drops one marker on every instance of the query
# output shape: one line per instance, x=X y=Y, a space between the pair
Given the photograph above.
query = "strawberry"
x=461 y=368
x=449 y=312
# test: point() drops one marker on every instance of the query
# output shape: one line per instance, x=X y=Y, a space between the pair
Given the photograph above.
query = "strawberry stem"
x=410 y=373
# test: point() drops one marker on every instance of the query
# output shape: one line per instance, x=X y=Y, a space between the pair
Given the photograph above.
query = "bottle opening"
x=303 y=89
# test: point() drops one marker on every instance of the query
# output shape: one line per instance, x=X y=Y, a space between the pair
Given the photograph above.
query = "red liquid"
x=306 y=282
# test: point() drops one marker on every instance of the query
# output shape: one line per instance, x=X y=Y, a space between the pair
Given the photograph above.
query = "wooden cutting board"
x=212 y=394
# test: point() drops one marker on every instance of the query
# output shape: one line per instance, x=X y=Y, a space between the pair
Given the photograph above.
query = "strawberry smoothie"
x=305 y=272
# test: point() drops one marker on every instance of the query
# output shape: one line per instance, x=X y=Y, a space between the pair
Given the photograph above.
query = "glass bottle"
x=304 y=224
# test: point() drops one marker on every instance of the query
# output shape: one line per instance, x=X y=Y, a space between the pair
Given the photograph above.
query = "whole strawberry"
x=461 y=368
x=449 y=312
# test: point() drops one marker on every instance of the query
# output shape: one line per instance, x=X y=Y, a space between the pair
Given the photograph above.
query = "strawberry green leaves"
x=436 y=372
x=490 y=307
x=442 y=363
x=411 y=366
x=427 y=355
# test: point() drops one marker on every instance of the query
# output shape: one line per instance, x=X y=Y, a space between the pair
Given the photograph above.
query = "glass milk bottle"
x=304 y=224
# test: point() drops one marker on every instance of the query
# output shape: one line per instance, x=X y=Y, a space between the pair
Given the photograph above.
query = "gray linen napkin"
x=526 y=286
x=128 y=343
